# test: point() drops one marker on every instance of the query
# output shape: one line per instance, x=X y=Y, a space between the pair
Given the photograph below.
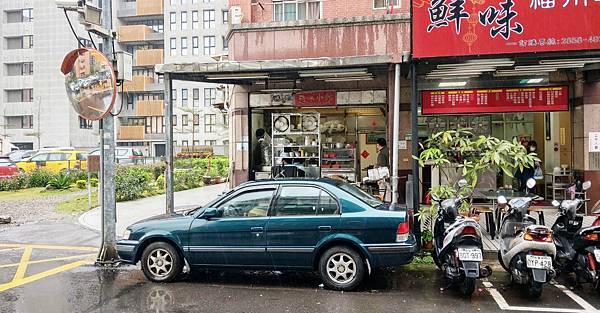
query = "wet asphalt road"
x=87 y=288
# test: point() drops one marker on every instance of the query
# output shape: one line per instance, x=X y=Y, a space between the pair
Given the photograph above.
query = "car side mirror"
x=210 y=213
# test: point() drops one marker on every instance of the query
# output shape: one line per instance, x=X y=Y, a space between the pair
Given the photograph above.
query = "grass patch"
x=78 y=204
x=31 y=193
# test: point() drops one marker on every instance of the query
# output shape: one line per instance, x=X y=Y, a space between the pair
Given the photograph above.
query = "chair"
x=488 y=213
x=540 y=212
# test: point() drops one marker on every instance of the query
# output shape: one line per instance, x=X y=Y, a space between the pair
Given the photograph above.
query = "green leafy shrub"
x=132 y=182
x=187 y=179
x=81 y=184
x=94 y=182
x=13 y=183
x=38 y=178
x=59 y=182
x=160 y=181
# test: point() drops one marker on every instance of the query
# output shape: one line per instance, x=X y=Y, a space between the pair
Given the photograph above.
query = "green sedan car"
x=317 y=225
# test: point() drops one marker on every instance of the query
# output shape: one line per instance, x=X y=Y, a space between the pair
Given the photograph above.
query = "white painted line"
x=584 y=304
x=503 y=305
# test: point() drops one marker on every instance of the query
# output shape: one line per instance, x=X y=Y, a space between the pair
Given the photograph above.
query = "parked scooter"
x=577 y=248
x=526 y=249
x=458 y=249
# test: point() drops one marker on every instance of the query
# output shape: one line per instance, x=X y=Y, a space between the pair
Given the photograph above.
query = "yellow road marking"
x=32 y=278
x=12 y=249
x=50 y=260
x=49 y=247
x=23 y=264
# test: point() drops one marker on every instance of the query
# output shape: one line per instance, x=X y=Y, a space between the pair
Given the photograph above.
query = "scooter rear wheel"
x=534 y=289
x=468 y=286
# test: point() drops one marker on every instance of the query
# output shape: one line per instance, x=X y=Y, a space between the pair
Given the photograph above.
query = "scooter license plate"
x=470 y=254
x=597 y=254
x=539 y=262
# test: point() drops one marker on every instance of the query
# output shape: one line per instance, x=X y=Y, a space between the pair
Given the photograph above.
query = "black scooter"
x=577 y=248
x=458 y=249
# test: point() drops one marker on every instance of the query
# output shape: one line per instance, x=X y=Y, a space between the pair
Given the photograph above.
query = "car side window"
x=57 y=157
x=40 y=157
x=253 y=203
x=304 y=200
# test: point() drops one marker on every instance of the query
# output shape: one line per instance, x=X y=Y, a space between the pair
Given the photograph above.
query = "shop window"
x=210 y=123
x=209 y=45
x=292 y=10
x=384 y=4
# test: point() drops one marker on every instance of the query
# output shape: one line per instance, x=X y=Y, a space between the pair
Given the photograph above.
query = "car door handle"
x=256 y=229
x=324 y=228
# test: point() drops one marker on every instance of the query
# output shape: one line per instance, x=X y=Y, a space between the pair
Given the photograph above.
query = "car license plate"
x=470 y=254
x=597 y=254
x=539 y=262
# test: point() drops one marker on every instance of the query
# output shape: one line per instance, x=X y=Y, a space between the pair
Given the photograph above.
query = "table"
x=492 y=196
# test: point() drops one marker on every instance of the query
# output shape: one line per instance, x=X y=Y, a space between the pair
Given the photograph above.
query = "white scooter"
x=527 y=250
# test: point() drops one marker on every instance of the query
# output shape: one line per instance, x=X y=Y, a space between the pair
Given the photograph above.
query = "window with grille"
x=208 y=18
x=210 y=123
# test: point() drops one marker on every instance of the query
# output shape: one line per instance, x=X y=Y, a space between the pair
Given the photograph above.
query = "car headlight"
x=126 y=233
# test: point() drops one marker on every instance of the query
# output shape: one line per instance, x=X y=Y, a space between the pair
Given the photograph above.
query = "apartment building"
x=157 y=32
x=34 y=109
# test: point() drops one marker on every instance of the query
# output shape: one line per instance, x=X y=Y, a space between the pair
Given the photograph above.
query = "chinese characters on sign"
x=474 y=27
x=315 y=98
x=498 y=100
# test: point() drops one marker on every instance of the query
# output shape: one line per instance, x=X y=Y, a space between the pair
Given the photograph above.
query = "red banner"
x=496 y=100
x=472 y=27
x=315 y=98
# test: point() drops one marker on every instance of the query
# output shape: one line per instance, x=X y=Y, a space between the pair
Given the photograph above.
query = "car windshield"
x=360 y=194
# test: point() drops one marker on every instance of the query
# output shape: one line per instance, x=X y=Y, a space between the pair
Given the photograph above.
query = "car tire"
x=341 y=268
x=161 y=262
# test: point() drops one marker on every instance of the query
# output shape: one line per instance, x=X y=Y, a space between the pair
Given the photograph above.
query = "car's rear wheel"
x=341 y=268
x=161 y=262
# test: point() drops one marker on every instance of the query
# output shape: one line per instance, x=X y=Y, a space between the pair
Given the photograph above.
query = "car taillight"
x=403 y=232
x=540 y=235
x=597 y=221
x=411 y=219
x=468 y=230
x=537 y=252
x=591 y=237
x=591 y=262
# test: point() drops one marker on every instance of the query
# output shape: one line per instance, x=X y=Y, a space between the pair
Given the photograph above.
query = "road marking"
x=503 y=305
x=32 y=278
x=49 y=247
x=52 y=259
x=20 y=278
x=584 y=304
x=23 y=264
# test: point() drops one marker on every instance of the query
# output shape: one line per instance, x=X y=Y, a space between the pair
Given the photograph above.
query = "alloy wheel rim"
x=160 y=262
x=341 y=268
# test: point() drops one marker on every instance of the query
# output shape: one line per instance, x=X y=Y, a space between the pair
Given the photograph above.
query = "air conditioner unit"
x=235 y=15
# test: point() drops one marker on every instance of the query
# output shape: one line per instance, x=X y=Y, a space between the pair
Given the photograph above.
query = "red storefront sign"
x=473 y=27
x=315 y=98
x=495 y=100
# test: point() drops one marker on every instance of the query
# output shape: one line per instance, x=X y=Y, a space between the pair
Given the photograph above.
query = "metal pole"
x=170 y=207
x=108 y=252
x=415 y=148
x=395 y=134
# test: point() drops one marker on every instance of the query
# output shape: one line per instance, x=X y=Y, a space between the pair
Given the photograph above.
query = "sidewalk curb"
x=80 y=220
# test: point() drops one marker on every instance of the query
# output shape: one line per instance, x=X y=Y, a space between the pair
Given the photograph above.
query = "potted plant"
x=427 y=239
x=426 y=216
x=470 y=156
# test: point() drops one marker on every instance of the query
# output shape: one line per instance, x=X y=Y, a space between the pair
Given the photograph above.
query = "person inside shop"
x=528 y=172
x=262 y=150
x=383 y=160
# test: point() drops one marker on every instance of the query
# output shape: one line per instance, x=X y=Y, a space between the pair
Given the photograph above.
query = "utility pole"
x=108 y=252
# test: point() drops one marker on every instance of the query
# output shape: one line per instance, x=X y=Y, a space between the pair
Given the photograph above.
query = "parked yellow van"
x=55 y=161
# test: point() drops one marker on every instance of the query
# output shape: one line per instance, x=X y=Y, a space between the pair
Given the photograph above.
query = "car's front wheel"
x=341 y=268
x=161 y=262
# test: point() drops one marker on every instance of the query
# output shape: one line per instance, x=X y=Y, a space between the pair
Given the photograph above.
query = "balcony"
x=141 y=8
x=138 y=33
x=138 y=83
x=149 y=108
x=149 y=57
x=131 y=133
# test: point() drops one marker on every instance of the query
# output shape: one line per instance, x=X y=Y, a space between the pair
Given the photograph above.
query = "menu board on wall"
x=495 y=100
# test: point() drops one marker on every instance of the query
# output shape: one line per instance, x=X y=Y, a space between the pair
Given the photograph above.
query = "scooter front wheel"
x=468 y=286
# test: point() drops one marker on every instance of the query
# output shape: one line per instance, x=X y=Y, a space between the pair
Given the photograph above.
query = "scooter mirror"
x=463 y=182
x=586 y=185
x=555 y=203
x=530 y=183
x=502 y=200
